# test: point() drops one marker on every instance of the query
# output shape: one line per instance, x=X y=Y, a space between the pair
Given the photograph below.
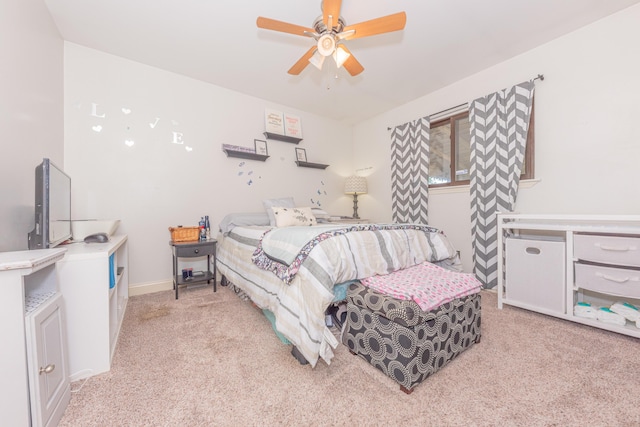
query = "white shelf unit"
x=35 y=389
x=94 y=308
x=565 y=228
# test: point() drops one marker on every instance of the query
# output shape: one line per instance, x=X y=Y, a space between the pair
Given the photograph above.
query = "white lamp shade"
x=355 y=185
x=317 y=60
x=340 y=56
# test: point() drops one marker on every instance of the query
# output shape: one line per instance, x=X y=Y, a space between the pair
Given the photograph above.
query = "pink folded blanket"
x=427 y=284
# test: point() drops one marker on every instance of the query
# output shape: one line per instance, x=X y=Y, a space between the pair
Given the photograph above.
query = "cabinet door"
x=48 y=368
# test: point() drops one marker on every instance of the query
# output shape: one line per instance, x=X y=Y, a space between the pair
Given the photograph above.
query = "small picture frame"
x=301 y=155
x=261 y=147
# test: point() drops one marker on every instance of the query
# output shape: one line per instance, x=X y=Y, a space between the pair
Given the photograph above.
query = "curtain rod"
x=538 y=77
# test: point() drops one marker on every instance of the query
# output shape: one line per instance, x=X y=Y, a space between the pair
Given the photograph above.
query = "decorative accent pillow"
x=287 y=217
x=269 y=204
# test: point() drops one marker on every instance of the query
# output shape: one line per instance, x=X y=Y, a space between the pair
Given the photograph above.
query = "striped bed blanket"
x=284 y=250
x=300 y=292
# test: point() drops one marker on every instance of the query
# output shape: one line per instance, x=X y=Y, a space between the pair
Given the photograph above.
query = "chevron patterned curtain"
x=410 y=171
x=499 y=125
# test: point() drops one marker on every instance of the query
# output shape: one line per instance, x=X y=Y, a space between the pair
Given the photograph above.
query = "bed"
x=296 y=272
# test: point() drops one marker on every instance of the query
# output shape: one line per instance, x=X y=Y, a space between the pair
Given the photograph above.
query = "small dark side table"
x=194 y=249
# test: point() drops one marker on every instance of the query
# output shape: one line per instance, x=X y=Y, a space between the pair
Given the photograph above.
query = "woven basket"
x=184 y=234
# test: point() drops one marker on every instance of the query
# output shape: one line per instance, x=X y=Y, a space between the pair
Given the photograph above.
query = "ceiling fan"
x=330 y=31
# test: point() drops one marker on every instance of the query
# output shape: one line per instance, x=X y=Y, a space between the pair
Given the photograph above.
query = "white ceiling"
x=218 y=42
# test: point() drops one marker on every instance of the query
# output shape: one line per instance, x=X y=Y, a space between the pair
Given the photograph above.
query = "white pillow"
x=269 y=204
x=287 y=217
x=243 y=219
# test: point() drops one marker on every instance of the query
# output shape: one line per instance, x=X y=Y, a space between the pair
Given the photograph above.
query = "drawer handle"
x=47 y=369
x=618 y=280
x=616 y=248
x=196 y=251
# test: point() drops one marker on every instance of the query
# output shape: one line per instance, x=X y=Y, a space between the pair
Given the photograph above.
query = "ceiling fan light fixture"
x=340 y=56
x=329 y=31
x=326 y=45
x=317 y=60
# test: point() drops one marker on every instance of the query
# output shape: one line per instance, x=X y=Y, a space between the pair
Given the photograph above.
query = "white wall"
x=156 y=183
x=31 y=111
x=587 y=137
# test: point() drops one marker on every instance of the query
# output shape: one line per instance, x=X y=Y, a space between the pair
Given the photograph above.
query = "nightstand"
x=194 y=249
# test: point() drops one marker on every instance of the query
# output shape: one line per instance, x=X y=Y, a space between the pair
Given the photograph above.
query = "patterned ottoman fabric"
x=404 y=342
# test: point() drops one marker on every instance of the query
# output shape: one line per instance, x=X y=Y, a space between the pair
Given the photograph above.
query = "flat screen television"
x=53 y=207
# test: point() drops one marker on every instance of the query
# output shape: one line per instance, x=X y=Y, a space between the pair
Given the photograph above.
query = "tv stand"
x=94 y=280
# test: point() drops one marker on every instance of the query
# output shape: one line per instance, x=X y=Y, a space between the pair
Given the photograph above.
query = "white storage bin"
x=535 y=273
x=622 y=282
x=617 y=250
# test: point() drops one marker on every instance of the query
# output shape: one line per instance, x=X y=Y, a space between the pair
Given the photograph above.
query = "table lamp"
x=355 y=185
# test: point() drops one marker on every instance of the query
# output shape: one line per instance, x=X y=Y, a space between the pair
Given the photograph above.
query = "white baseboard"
x=148 y=288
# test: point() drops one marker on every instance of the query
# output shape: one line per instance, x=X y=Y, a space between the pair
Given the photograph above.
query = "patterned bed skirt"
x=404 y=342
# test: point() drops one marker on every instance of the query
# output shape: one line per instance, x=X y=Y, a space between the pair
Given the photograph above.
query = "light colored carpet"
x=213 y=360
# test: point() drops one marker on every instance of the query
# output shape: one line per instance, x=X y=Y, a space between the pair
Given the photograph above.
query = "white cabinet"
x=35 y=388
x=49 y=377
x=599 y=256
x=95 y=289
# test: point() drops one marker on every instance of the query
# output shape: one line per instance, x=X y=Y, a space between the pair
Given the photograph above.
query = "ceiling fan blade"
x=385 y=24
x=351 y=64
x=302 y=62
x=331 y=8
x=284 y=27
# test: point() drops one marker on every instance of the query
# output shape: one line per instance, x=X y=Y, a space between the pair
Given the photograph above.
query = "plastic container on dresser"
x=94 y=280
x=601 y=257
x=35 y=387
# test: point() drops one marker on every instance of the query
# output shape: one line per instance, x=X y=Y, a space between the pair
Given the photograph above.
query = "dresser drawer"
x=624 y=282
x=615 y=250
x=187 y=250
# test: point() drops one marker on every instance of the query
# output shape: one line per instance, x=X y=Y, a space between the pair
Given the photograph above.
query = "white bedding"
x=299 y=306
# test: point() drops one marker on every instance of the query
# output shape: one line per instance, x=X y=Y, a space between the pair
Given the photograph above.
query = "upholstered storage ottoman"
x=405 y=342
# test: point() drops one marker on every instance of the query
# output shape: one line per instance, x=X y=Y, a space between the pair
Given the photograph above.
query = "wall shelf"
x=284 y=138
x=245 y=155
x=311 y=165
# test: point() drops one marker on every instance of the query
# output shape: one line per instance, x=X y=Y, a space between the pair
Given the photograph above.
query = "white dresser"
x=552 y=262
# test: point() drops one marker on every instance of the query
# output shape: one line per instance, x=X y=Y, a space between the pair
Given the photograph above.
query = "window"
x=449 y=151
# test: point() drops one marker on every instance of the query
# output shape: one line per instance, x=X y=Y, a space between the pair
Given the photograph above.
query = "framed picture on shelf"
x=292 y=126
x=261 y=147
x=301 y=155
x=274 y=121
